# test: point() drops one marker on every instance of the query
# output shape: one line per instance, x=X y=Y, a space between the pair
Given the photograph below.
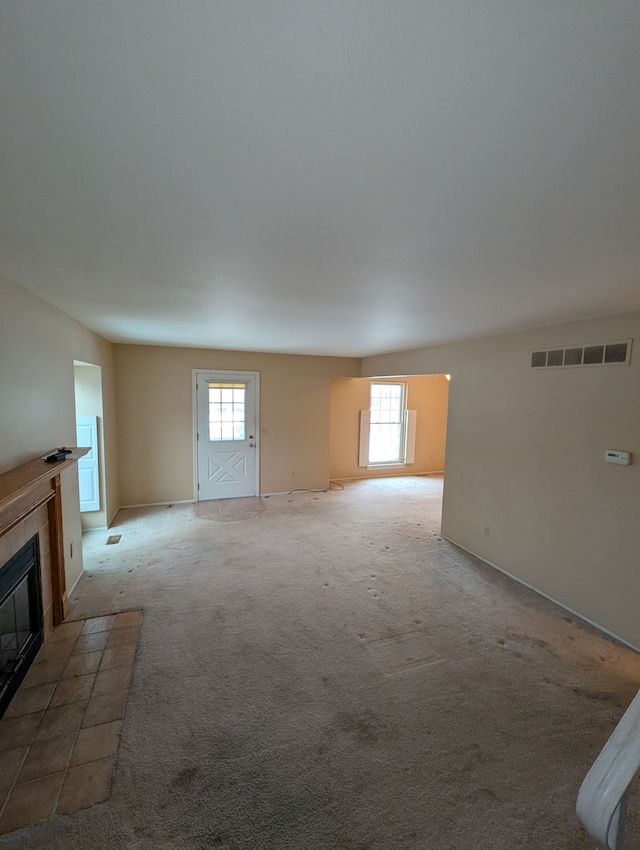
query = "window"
x=386 y=423
x=226 y=411
x=387 y=428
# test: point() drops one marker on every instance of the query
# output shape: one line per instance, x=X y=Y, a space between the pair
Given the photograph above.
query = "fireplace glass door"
x=21 y=622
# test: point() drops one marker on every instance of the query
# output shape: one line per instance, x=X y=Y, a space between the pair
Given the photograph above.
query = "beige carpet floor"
x=230 y=510
x=333 y=674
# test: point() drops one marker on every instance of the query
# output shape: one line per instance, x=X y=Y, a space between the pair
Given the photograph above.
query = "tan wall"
x=155 y=421
x=38 y=345
x=525 y=456
x=88 y=390
x=427 y=394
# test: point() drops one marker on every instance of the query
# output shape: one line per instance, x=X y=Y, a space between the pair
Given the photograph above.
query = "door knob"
x=251 y=445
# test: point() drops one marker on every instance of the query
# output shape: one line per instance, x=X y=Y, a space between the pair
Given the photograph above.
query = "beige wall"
x=155 y=421
x=88 y=390
x=525 y=457
x=426 y=394
x=38 y=345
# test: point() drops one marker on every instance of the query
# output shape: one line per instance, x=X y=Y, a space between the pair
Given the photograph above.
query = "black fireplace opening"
x=21 y=618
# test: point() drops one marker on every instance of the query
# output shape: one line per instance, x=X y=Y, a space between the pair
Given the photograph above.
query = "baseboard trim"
x=392 y=475
x=156 y=504
x=297 y=490
x=545 y=595
x=75 y=584
x=357 y=478
x=112 y=518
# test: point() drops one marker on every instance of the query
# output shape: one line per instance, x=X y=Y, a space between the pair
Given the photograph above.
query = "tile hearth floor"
x=60 y=733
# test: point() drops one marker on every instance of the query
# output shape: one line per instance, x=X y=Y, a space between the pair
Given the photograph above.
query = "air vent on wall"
x=617 y=353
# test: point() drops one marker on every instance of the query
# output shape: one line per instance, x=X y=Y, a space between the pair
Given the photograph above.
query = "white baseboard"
x=75 y=584
x=156 y=504
x=391 y=475
x=357 y=478
x=296 y=490
x=112 y=517
x=103 y=527
x=546 y=596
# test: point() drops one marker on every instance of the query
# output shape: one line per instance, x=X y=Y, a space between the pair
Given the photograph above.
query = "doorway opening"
x=90 y=432
x=371 y=416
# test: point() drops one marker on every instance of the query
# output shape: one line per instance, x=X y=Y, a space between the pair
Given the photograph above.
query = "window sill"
x=386 y=465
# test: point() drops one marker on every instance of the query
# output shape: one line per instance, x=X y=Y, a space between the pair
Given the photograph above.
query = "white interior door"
x=88 y=477
x=226 y=445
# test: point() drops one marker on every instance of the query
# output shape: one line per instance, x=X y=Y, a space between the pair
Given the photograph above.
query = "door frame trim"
x=231 y=375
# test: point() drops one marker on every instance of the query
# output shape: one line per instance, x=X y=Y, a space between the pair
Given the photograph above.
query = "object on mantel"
x=58 y=455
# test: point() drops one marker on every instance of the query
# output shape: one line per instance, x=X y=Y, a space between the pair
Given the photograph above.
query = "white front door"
x=226 y=445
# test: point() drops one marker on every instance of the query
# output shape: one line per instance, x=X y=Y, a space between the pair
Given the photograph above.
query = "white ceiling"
x=321 y=176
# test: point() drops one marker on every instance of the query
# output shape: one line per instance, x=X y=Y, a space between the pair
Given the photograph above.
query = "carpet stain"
x=474 y=756
x=185 y=777
x=481 y=795
x=401 y=653
x=215 y=840
x=599 y=696
x=527 y=639
x=365 y=725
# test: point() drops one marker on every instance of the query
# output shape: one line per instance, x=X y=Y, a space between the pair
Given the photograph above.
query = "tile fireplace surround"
x=60 y=734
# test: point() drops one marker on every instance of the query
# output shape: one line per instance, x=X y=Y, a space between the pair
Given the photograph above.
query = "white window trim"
x=390 y=464
x=365 y=422
x=411 y=421
x=409 y=447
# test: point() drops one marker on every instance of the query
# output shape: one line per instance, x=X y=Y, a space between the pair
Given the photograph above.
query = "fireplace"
x=33 y=593
x=21 y=617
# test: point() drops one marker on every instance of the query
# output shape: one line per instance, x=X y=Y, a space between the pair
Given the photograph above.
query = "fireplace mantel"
x=25 y=489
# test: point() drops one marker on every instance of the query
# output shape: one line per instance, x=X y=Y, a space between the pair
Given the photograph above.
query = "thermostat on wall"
x=612 y=456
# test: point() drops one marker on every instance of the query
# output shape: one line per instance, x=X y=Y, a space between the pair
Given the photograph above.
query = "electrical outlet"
x=486 y=531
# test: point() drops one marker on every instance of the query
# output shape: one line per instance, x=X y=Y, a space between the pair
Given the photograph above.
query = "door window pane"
x=227 y=411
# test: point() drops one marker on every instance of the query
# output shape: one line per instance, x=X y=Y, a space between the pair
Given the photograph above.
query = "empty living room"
x=319 y=425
